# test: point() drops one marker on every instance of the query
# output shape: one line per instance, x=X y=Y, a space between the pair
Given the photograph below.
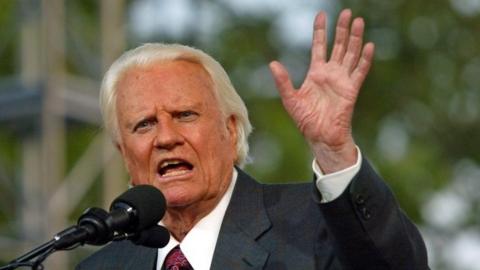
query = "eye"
x=144 y=125
x=186 y=116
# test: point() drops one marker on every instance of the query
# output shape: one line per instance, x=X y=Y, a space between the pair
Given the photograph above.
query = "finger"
x=282 y=79
x=319 y=42
x=364 y=64
x=341 y=35
x=354 y=44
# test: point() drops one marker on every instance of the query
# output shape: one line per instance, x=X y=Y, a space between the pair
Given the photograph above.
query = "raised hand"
x=323 y=106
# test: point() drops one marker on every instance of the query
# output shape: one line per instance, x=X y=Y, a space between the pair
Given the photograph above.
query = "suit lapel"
x=245 y=220
x=122 y=255
x=140 y=258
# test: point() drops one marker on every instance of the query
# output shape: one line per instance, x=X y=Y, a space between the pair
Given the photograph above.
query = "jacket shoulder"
x=120 y=255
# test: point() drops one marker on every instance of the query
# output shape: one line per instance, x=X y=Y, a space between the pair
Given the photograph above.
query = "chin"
x=178 y=198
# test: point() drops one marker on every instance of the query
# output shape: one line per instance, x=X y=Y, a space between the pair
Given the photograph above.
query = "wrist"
x=334 y=159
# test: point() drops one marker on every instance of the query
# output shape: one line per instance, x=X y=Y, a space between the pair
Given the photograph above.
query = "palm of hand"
x=323 y=106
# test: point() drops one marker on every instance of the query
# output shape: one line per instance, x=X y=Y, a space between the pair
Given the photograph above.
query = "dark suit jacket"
x=285 y=227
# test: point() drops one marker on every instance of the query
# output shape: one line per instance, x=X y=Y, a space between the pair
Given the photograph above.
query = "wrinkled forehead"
x=167 y=70
x=175 y=82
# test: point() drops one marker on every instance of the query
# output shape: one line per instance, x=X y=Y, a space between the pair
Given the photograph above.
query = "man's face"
x=172 y=133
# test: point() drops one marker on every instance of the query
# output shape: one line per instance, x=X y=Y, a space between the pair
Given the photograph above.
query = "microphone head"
x=154 y=237
x=93 y=221
x=147 y=202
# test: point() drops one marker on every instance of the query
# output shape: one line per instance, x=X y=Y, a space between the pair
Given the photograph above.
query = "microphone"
x=154 y=237
x=133 y=215
x=139 y=208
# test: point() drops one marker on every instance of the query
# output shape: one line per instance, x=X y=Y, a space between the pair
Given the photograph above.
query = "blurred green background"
x=417 y=119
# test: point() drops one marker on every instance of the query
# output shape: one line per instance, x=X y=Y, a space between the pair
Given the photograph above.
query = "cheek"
x=137 y=160
x=221 y=147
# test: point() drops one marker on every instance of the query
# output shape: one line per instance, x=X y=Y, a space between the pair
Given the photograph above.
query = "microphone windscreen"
x=154 y=237
x=148 y=202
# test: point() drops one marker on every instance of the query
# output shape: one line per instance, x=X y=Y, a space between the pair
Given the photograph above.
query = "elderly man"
x=181 y=127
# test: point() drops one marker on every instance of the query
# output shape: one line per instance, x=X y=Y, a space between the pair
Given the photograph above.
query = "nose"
x=167 y=137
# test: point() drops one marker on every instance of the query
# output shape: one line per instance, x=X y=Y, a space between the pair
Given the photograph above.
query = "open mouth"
x=174 y=167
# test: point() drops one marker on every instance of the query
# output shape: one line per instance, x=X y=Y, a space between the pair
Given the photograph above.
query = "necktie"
x=175 y=260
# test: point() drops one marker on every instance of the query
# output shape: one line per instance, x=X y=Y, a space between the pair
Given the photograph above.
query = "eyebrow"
x=197 y=106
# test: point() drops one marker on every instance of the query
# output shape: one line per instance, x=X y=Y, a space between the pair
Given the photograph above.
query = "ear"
x=118 y=142
x=121 y=149
x=232 y=131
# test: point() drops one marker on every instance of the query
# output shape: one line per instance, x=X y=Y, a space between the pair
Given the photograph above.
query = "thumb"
x=282 y=79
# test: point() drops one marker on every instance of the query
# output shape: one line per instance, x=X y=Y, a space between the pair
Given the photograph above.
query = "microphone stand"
x=153 y=237
x=69 y=238
x=97 y=227
x=33 y=258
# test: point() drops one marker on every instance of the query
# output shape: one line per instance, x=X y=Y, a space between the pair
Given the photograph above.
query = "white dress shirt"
x=199 y=243
x=331 y=186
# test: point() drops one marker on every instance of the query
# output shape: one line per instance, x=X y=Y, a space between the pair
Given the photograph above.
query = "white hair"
x=230 y=102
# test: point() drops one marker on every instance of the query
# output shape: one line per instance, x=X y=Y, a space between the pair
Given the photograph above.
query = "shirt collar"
x=199 y=243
